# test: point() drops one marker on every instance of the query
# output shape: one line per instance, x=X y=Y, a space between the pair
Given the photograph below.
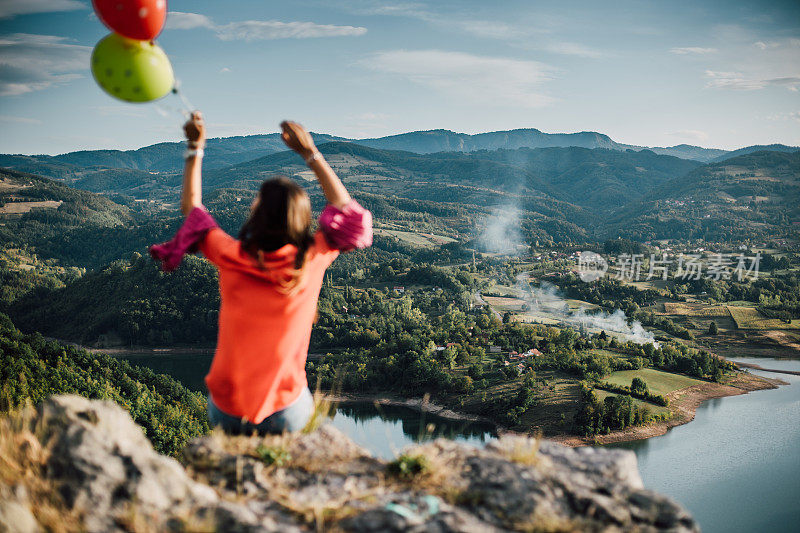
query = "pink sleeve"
x=194 y=229
x=347 y=228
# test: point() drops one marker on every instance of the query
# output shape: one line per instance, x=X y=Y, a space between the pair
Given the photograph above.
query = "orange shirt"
x=262 y=345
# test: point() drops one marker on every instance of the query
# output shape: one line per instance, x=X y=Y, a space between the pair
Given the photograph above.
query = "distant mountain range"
x=227 y=151
x=757 y=148
x=560 y=194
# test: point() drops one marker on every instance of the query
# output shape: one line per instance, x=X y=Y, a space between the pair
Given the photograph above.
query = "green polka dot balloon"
x=133 y=71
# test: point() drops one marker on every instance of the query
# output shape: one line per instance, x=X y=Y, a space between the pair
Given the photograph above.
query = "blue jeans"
x=293 y=417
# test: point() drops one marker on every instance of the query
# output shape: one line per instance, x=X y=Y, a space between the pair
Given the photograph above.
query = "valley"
x=471 y=293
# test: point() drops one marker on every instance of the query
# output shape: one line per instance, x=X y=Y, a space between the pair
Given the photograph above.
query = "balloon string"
x=187 y=106
x=166 y=110
x=185 y=101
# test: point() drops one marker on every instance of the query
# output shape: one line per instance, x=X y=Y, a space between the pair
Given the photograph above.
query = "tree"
x=639 y=386
x=712 y=328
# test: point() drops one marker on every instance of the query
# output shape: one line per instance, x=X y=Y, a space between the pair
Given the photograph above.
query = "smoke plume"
x=501 y=233
x=548 y=299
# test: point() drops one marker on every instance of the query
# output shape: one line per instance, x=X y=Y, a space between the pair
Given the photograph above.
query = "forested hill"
x=757 y=148
x=426 y=142
x=74 y=227
x=751 y=196
x=38 y=198
x=128 y=301
x=560 y=194
x=598 y=178
x=226 y=151
x=161 y=157
x=32 y=369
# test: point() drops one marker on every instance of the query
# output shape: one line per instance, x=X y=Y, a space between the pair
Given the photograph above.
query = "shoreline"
x=684 y=404
x=762 y=369
x=423 y=405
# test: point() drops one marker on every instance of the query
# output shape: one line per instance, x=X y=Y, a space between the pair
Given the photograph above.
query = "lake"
x=736 y=466
x=385 y=430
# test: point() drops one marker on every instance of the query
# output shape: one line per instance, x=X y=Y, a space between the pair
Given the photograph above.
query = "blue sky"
x=718 y=74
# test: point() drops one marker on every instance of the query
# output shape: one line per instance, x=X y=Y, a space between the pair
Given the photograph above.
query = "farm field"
x=505 y=303
x=427 y=240
x=693 y=309
x=19 y=208
x=657 y=381
x=751 y=318
x=503 y=290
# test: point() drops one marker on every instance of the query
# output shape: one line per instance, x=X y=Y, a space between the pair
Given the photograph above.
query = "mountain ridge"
x=226 y=151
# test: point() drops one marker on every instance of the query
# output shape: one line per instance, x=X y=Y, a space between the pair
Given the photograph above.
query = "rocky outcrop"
x=102 y=471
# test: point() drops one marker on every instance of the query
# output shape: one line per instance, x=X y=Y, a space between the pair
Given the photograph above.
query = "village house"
x=448 y=345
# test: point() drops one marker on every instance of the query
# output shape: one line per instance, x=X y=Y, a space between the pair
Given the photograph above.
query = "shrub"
x=273 y=455
x=408 y=466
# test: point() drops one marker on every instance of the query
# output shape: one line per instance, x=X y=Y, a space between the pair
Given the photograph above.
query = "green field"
x=657 y=381
x=654 y=409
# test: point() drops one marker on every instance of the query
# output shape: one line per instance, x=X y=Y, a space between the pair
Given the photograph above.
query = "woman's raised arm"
x=299 y=140
x=192 y=195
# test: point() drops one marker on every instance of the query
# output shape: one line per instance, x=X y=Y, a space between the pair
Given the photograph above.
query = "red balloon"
x=134 y=19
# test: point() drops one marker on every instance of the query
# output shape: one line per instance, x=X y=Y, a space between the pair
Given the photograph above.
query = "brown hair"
x=282 y=216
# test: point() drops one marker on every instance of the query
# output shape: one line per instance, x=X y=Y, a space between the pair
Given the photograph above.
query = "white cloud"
x=574 y=49
x=693 y=135
x=693 y=50
x=12 y=8
x=747 y=64
x=223 y=70
x=482 y=79
x=19 y=120
x=761 y=45
x=31 y=62
x=792 y=115
x=258 y=30
x=486 y=28
x=490 y=29
x=177 y=20
x=743 y=82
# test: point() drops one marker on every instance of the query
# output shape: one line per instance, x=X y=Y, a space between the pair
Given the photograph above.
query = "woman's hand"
x=195 y=130
x=298 y=139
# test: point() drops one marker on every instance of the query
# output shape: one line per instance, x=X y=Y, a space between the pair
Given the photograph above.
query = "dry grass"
x=523 y=451
x=19 y=208
x=751 y=318
x=698 y=310
x=22 y=463
x=323 y=407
